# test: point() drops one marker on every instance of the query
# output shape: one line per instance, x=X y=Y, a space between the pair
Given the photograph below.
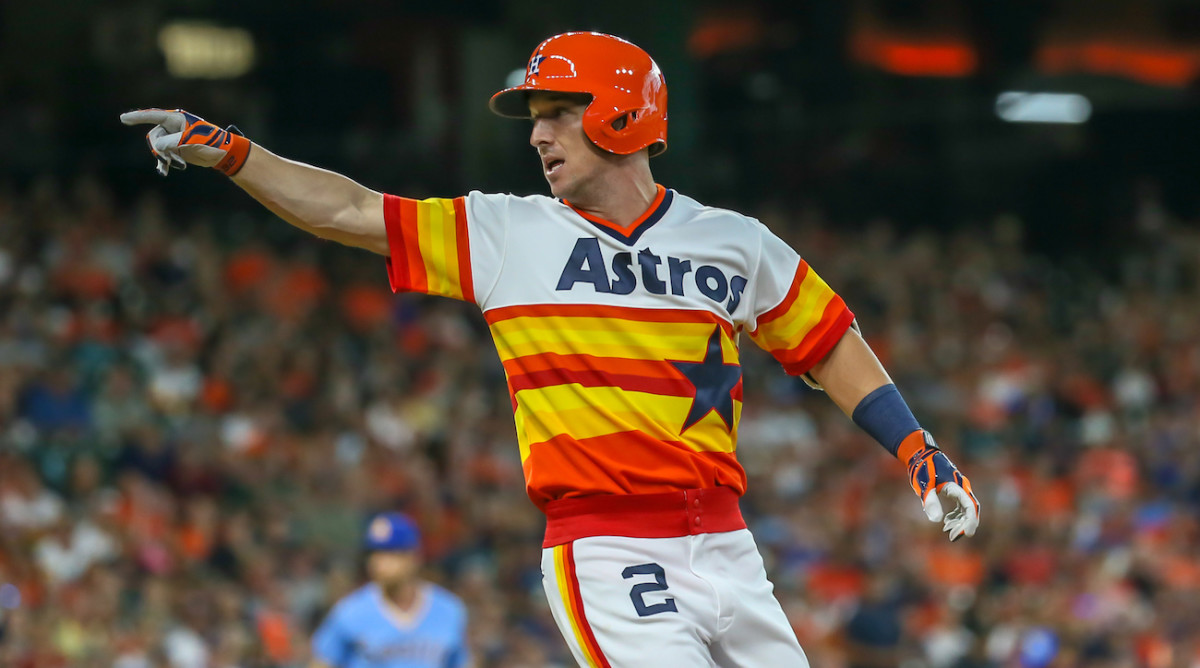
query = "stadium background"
x=199 y=405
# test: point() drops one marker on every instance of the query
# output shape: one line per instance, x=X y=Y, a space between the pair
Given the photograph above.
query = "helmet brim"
x=512 y=102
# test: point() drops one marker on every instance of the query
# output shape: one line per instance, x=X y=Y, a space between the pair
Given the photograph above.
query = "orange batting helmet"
x=623 y=80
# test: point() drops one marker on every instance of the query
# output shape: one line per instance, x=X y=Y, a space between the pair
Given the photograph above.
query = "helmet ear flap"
x=624 y=131
x=617 y=129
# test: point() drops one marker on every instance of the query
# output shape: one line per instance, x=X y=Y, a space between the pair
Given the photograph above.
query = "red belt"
x=667 y=515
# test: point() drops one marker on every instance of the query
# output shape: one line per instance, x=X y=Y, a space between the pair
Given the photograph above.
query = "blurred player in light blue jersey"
x=397 y=620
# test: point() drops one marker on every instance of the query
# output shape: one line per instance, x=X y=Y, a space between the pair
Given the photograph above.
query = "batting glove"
x=932 y=474
x=179 y=138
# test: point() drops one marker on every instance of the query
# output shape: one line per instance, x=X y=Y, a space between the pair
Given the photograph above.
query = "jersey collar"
x=405 y=620
x=629 y=234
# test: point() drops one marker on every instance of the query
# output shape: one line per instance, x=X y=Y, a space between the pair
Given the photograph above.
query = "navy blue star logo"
x=714 y=381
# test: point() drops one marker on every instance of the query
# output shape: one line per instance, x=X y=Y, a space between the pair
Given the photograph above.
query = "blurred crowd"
x=199 y=410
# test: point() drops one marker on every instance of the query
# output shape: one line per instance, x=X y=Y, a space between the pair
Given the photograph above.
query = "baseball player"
x=397 y=620
x=617 y=307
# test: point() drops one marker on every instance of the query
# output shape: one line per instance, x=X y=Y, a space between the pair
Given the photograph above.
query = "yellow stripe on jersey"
x=429 y=248
x=437 y=242
x=803 y=314
x=603 y=337
x=588 y=412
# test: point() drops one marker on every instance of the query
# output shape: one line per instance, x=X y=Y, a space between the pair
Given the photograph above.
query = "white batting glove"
x=179 y=138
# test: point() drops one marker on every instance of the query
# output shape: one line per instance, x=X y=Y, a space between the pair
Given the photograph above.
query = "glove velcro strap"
x=230 y=140
x=911 y=445
x=237 y=149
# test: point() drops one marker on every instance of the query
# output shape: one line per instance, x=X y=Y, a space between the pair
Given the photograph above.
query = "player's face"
x=393 y=567
x=571 y=163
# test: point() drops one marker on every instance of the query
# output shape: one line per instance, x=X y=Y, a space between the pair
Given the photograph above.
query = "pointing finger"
x=173 y=120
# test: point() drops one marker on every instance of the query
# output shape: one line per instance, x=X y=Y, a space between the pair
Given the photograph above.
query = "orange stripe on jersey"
x=404 y=260
x=429 y=246
x=805 y=326
x=661 y=315
x=625 y=463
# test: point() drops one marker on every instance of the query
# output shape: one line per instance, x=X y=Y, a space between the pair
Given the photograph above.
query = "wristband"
x=884 y=415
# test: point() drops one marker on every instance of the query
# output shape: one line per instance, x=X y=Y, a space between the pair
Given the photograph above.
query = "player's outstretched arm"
x=858 y=384
x=316 y=200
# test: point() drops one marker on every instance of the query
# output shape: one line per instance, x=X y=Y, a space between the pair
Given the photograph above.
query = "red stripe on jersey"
x=462 y=237
x=581 y=362
x=398 y=272
x=535 y=371
x=670 y=387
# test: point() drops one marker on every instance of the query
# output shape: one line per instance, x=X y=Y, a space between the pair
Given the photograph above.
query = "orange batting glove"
x=179 y=138
x=932 y=474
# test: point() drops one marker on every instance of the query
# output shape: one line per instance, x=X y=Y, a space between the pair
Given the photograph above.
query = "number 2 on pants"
x=640 y=589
